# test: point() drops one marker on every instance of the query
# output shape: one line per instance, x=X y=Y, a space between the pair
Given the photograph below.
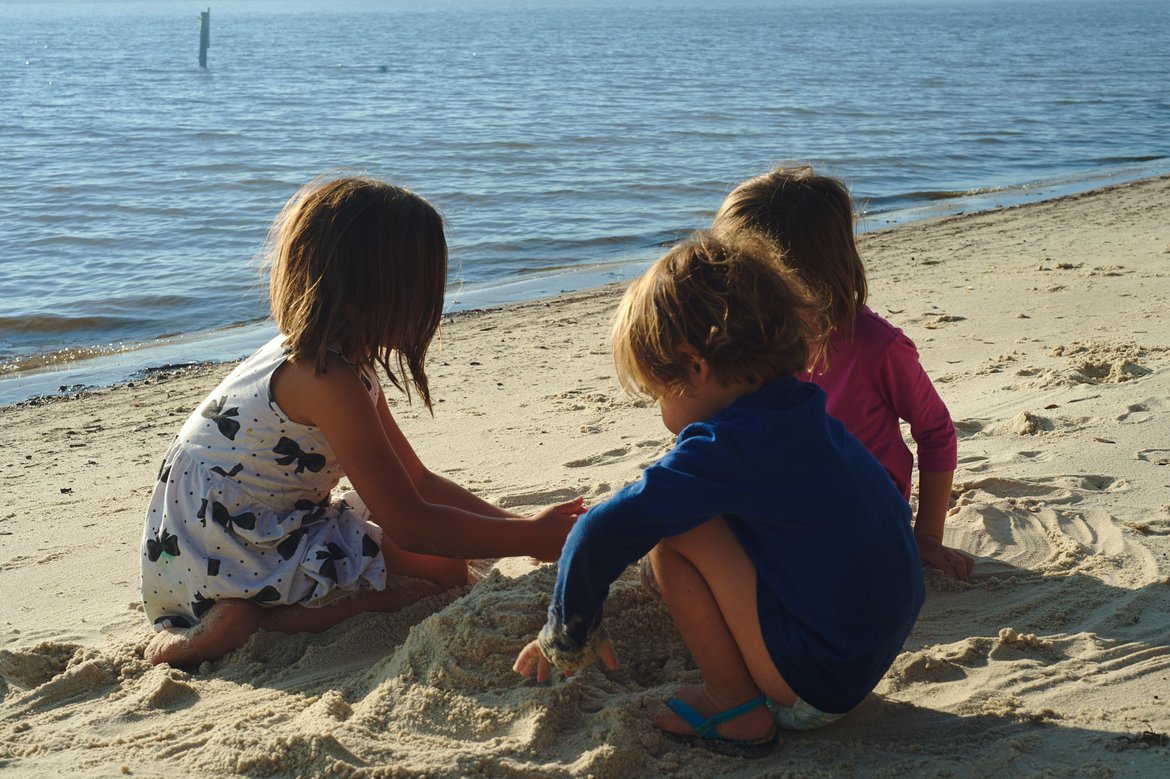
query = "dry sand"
x=1047 y=330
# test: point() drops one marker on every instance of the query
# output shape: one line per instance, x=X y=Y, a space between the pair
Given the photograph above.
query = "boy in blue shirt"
x=781 y=547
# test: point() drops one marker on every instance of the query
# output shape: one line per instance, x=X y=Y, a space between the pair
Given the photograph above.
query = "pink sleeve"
x=915 y=400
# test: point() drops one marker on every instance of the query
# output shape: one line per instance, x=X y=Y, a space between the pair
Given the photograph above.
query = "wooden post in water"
x=204 y=36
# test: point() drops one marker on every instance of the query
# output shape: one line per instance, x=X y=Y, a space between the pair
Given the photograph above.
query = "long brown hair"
x=749 y=316
x=360 y=265
x=810 y=217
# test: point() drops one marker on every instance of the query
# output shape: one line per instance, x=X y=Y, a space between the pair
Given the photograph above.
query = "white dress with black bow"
x=243 y=508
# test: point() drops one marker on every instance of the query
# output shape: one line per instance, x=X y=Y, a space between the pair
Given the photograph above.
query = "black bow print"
x=164 y=471
x=221 y=516
x=201 y=605
x=222 y=417
x=316 y=510
x=181 y=623
x=167 y=543
x=288 y=547
x=329 y=567
x=370 y=547
x=266 y=595
x=289 y=450
x=230 y=474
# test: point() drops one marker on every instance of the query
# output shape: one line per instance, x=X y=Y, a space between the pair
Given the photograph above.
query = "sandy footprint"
x=604 y=458
x=89 y=674
x=29 y=668
x=975 y=463
x=1143 y=411
x=1155 y=456
x=536 y=498
x=965 y=428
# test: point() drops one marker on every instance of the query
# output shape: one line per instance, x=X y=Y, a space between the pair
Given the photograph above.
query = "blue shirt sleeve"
x=693 y=483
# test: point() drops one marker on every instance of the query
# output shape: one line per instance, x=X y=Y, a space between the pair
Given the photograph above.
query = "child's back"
x=874 y=381
x=777 y=541
x=242 y=507
x=821 y=521
x=871 y=374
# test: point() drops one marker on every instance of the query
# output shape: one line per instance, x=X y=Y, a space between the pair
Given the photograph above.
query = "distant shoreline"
x=135 y=362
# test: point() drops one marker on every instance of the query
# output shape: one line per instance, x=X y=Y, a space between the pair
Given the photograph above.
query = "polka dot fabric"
x=243 y=508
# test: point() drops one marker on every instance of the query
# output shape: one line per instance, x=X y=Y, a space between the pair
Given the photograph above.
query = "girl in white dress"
x=243 y=531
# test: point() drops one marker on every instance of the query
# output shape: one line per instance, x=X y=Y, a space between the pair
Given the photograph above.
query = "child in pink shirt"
x=873 y=378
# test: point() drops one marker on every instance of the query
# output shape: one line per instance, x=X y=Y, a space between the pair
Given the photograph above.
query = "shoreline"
x=1046 y=328
x=126 y=362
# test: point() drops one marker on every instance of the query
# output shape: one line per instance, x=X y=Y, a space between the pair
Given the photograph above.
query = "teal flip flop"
x=707 y=736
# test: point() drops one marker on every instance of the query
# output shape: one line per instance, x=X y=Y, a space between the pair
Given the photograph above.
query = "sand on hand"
x=1046 y=328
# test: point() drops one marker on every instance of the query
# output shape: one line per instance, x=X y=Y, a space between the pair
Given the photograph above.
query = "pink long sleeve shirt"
x=874 y=382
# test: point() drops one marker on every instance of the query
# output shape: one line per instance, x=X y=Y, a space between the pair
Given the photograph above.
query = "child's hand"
x=532 y=659
x=947 y=560
x=555 y=523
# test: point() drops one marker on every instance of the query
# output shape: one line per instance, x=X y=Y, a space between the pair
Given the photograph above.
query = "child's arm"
x=431 y=486
x=914 y=399
x=337 y=402
x=934 y=498
x=679 y=492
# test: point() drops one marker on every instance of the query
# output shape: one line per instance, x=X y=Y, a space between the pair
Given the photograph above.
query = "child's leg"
x=444 y=572
x=439 y=574
x=229 y=623
x=709 y=585
x=224 y=627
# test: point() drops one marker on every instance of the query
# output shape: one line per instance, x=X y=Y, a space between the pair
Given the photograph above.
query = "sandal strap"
x=706 y=727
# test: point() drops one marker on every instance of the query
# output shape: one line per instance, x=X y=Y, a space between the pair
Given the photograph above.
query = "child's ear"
x=696 y=366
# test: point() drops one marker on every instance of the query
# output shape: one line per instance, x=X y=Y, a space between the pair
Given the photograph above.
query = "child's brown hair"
x=732 y=300
x=360 y=265
x=810 y=217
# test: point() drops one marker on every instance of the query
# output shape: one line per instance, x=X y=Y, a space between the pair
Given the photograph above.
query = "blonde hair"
x=810 y=217
x=360 y=265
x=750 y=317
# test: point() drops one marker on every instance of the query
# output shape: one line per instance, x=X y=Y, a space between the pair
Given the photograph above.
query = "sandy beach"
x=1046 y=328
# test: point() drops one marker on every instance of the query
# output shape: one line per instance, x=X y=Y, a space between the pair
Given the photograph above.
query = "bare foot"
x=755 y=724
x=224 y=627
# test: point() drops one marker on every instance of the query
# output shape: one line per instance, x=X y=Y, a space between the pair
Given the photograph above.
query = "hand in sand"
x=555 y=522
x=947 y=560
x=532 y=659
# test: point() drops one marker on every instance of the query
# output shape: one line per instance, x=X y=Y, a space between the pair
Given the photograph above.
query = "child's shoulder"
x=871 y=335
x=873 y=326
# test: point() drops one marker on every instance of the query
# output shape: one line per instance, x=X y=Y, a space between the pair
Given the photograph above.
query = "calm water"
x=564 y=142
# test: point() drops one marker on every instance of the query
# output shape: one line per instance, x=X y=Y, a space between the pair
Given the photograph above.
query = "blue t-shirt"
x=839 y=582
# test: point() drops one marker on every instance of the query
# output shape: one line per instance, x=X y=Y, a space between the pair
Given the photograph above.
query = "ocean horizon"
x=566 y=143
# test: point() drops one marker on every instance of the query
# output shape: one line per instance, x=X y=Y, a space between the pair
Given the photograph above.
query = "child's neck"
x=730 y=393
x=709 y=396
